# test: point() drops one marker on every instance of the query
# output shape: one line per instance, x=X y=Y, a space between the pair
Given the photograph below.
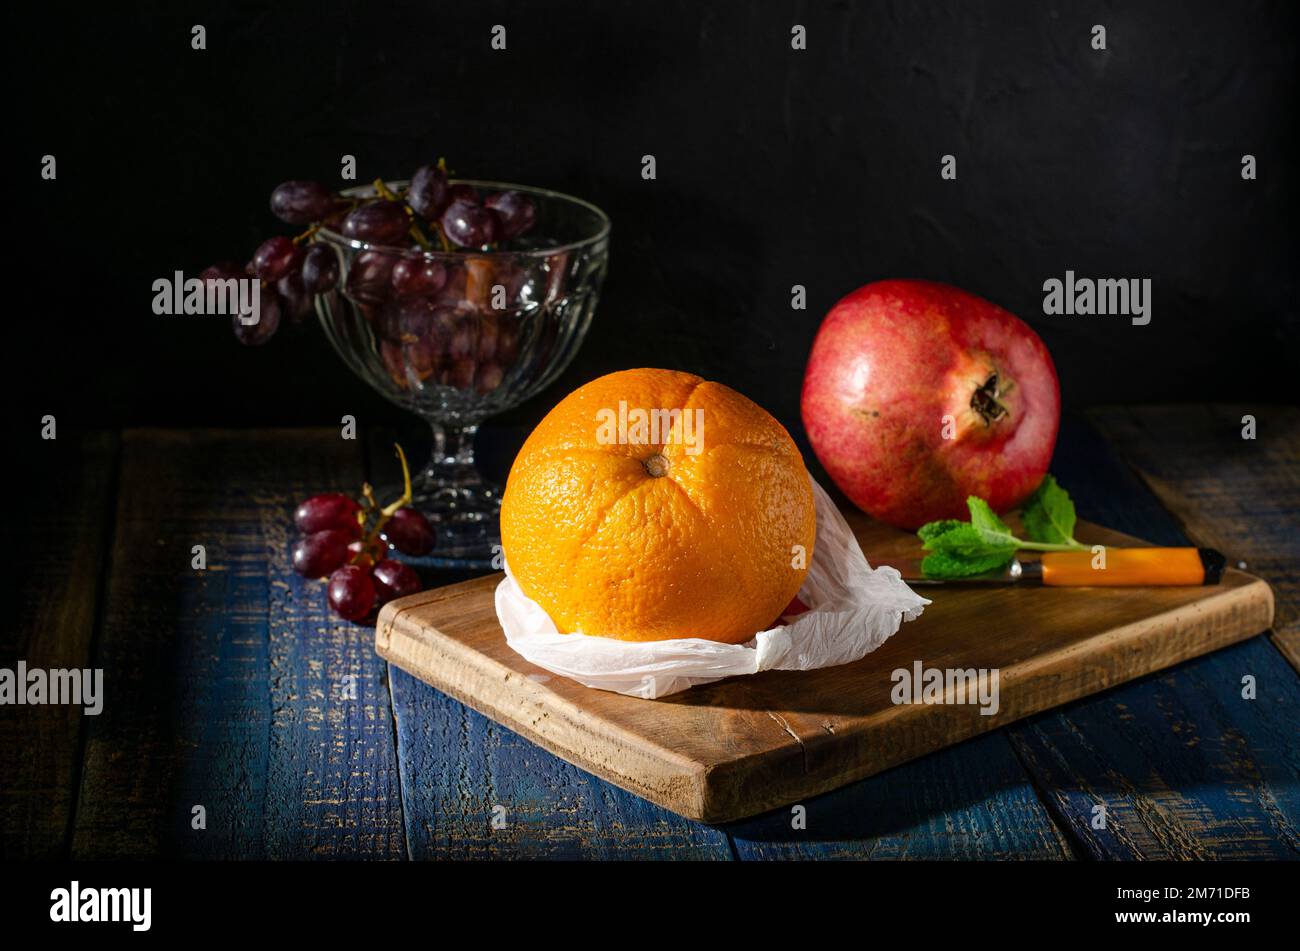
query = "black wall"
x=775 y=167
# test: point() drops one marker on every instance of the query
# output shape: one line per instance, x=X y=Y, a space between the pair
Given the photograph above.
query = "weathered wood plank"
x=460 y=771
x=972 y=801
x=1184 y=766
x=1239 y=495
x=54 y=537
x=226 y=686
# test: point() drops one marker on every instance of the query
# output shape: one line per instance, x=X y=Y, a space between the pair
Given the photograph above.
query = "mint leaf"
x=945 y=565
x=967 y=541
x=959 y=550
x=1049 y=514
x=992 y=529
x=986 y=543
x=934 y=529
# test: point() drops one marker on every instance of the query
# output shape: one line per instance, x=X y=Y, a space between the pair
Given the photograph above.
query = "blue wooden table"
x=233 y=694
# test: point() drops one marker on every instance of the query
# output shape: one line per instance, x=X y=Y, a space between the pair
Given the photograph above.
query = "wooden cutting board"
x=745 y=745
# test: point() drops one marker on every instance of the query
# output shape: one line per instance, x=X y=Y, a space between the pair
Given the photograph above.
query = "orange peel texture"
x=678 y=530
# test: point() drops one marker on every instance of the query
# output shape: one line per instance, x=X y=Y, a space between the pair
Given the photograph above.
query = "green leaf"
x=946 y=565
x=960 y=549
x=967 y=541
x=934 y=529
x=1049 y=514
x=992 y=529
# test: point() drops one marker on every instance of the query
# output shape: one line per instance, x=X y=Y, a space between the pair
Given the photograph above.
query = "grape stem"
x=405 y=500
x=369 y=494
x=446 y=245
x=372 y=546
x=381 y=187
x=417 y=234
x=307 y=234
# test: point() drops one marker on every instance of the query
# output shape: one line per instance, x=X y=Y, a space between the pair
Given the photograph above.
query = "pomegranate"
x=918 y=394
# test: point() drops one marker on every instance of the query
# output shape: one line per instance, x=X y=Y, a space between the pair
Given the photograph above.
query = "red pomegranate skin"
x=895 y=357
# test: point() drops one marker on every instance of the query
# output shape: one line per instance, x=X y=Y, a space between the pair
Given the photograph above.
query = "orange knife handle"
x=1133 y=566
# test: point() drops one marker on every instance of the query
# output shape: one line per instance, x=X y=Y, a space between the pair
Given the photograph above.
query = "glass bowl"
x=502 y=327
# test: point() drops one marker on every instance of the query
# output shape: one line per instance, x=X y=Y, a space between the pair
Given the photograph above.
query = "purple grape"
x=320 y=553
x=418 y=277
x=378 y=222
x=351 y=592
x=297 y=302
x=328 y=510
x=409 y=532
x=386 y=319
x=415 y=318
x=394 y=579
x=468 y=225
x=460 y=374
x=457 y=332
x=453 y=292
x=223 y=271
x=269 y=310
x=421 y=357
x=370 y=275
x=488 y=377
x=461 y=191
x=320 y=269
x=225 y=299
x=489 y=330
x=357 y=554
x=406 y=320
x=507 y=349
x=515 y=210
x=375 y=315
x=301 y=203
x=391 y=354
x=275 y=257
x=516 y=281
x=429 y=192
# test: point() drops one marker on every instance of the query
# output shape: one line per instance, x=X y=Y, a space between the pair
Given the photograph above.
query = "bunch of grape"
x=416 y=303
x=348 y=542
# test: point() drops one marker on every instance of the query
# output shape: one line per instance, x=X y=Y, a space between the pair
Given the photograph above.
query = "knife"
x=1125 y=567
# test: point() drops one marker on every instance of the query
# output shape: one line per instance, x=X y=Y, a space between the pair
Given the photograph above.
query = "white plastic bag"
x=853 y=609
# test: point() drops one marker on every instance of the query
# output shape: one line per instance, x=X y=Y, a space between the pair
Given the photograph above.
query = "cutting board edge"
x=668 y=779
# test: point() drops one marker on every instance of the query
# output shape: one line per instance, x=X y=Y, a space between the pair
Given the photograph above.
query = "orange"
x=627 y=523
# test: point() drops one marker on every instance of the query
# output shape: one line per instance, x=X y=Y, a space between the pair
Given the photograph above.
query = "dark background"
x=775 y=167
